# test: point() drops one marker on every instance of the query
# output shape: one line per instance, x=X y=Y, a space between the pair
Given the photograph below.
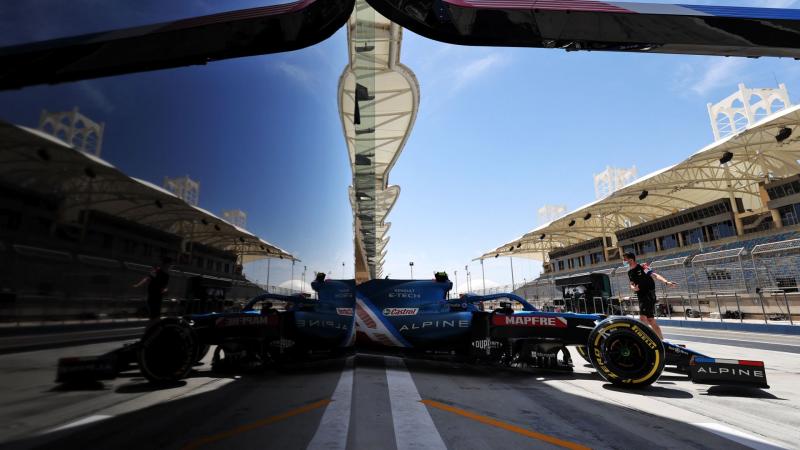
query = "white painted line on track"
x=413 y=426
x=335 y=423
x=79 y=422
x=738 y=436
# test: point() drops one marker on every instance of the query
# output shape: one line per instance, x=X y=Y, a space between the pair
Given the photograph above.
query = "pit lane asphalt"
x=395 y=403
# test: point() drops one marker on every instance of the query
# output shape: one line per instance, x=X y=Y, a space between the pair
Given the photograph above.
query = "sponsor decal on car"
x=735 y=371
x=282 y=343
x=249 y=320
x=486 y=344
x=404 y=293
x=436 y=324
x=400 y=311
x=315 y=323
x=344 y=311
x=343 y=293
x=530 y=321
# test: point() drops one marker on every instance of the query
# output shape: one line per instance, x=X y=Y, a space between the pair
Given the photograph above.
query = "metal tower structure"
x=236 y=217
x=75 y=129
x=549 y=213
x=184 y=188
x=612 y=179
x=378 y=101
x=745 y=107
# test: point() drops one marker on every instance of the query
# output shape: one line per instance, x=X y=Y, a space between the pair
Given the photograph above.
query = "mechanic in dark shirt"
x=157 y=282
x=643 y=283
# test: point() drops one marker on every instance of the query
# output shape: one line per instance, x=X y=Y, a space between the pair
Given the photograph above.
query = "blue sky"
x=500 y=132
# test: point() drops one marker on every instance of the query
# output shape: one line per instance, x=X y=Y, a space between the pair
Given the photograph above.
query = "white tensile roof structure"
x=38 y=162
x=378 y=101
x=756 y=155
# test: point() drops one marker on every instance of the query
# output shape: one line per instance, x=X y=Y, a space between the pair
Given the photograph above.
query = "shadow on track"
x=739 y=391
x=651 y=391
x=241 y=410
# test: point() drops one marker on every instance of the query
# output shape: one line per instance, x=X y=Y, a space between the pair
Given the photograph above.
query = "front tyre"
x=626 y=352
x=167 y=351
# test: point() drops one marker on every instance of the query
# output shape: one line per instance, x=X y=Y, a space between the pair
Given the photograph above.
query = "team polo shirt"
x=640 y=275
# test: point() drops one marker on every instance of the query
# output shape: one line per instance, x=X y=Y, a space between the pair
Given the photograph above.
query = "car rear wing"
x=598 y=25
x=190 y=41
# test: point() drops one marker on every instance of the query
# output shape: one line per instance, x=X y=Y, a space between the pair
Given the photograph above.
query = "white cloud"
x=716 y=72
x=96 y=96
x=295 y=73
x=475 y=69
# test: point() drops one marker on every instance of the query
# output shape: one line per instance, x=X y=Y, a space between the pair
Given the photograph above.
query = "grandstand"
x=723 y=224
x=76 y=233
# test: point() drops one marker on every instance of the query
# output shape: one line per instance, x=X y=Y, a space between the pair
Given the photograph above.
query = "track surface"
x=370 y=402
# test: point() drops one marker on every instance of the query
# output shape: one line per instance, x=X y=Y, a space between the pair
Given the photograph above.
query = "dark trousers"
x=154 y=306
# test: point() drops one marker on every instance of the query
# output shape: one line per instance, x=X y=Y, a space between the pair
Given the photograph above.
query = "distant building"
x=75 y=129
x=612 y=179
x=746 y=107
x=236 y=217
x=184 y=188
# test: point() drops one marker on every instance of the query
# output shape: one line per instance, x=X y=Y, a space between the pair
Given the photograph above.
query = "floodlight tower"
x=236 y=217
x=746 y=107
x=612 y=179
x=549 y=213
x=184 y=188
x=75 y=129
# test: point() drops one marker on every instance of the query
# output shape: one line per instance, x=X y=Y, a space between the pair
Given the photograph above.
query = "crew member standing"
x=642 y=282
x=157 y=282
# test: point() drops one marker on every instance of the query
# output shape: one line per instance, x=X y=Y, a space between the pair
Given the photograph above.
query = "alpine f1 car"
x=258 y=334
x=413 y=318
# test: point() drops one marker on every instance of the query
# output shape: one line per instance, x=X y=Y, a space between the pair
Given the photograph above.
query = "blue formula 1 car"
x=258 y=334
x=412 y=318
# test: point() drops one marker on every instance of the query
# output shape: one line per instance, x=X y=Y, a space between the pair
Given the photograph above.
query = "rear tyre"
x=167 y=351
x=626 y=352
x=584 y=352
x=201 y=352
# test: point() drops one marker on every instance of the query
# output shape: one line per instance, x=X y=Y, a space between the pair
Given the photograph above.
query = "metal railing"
x=723 y=285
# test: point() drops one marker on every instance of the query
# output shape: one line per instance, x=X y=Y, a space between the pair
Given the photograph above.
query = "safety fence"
x=732 y=284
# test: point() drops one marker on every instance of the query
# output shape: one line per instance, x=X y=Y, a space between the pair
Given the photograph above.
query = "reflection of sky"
x=37 y=20
x=500 y=133
x=261 y=134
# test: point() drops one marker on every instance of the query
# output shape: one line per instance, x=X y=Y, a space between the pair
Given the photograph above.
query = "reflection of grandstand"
x=76 y=233
x=709 y=222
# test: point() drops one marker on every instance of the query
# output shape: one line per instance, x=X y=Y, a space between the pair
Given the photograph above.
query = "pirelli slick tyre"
x=167 y=351
x=201 y=352
x=626 y=352
x=584 y=352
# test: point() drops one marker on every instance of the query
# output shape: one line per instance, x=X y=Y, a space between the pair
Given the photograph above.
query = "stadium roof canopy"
x=38 y=162
x=378 y=101
x=756 y=156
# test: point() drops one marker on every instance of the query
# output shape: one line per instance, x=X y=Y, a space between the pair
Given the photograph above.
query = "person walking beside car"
x=157 y=282
x=642 y=280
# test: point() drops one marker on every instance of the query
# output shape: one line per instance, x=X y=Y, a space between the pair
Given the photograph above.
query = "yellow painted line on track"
x=253 y=425
x=506 y=426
